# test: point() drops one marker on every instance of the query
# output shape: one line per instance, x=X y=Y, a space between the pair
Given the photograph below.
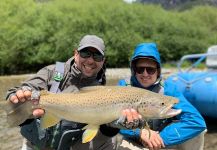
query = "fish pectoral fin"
x=49 y=120
x=90 y=132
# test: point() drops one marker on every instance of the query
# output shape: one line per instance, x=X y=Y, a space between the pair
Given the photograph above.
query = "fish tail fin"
x=3 y=104
x=17 y=113
x=90 y=132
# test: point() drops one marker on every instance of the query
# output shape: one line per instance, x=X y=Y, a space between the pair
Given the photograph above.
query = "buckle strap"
x=58 y=76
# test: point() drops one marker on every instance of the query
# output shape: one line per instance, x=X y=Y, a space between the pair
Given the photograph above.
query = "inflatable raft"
x=199 y=87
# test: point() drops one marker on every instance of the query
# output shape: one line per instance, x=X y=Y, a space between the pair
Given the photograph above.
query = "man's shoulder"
x=51 y=67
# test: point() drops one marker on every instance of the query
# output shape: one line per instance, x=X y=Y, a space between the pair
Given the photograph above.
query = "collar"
x=74 y=72
x=156 y=85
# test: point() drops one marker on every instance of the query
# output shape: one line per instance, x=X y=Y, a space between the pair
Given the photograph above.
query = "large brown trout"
x=94 y=106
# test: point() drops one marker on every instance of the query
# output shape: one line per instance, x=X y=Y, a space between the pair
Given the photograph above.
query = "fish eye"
x=162 y=103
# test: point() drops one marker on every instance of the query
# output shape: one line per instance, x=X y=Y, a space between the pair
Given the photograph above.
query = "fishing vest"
x=154 y=124
x=66 y=132
x=60 y=136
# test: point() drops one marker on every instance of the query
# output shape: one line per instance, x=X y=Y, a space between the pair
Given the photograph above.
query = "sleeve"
x=190 y=123
x=39 y=81
x=131 y=134
x=108 y=131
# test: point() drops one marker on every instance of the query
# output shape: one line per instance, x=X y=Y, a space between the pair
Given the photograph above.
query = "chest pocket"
x=57 y=77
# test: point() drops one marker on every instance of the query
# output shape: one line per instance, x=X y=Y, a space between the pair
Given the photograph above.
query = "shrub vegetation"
x=36 y=33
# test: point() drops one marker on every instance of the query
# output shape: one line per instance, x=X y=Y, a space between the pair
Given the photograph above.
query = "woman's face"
x=146 y=71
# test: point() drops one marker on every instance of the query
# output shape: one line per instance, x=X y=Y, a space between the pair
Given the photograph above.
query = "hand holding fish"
x=21 y=95
x=24 y=94
x=151 y=139
x=131 y=115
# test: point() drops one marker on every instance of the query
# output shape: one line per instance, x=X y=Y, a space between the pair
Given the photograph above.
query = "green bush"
x=36 y=33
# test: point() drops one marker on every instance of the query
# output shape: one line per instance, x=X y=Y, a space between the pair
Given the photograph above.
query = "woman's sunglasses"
x=86 y=53
x=149 y=70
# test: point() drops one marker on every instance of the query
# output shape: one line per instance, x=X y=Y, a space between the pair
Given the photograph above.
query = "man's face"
x=146 y=71
x=87 y=62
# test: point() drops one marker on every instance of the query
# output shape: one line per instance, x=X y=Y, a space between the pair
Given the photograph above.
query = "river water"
x=10 y=139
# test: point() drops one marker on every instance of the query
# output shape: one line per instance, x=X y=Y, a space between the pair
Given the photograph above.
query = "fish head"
x=158 y=107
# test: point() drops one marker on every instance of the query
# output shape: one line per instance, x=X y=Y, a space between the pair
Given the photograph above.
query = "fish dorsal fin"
x=91 y=88
x=90 y=132
x=49 y=120
x=45 y=92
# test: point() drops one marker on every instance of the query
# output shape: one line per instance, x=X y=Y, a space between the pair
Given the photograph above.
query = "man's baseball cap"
x=92 y=41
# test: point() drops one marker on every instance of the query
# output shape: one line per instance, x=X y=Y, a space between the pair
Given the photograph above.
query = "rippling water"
x=10 y=139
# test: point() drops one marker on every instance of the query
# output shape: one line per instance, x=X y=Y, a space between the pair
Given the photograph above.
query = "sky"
x=129 y=1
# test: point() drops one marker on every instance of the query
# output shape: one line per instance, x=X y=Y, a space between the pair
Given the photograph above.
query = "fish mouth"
x=169 y=112
x=173 y=112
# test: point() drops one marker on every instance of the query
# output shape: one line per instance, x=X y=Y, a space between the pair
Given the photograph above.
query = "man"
x=185 y=131
x=86 y=68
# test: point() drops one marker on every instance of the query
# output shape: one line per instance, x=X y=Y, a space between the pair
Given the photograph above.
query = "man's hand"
x=22 y=95
x=155 y=142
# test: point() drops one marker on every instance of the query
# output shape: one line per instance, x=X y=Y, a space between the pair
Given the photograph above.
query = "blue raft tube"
x=199 y=87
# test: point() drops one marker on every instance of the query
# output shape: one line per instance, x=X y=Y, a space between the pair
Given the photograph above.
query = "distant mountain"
x=180 y=4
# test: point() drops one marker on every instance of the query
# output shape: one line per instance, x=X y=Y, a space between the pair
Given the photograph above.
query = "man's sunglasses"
x=86 y=53
x=149 y=70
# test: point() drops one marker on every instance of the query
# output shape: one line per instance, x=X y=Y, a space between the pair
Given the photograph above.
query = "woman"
x=179 y=132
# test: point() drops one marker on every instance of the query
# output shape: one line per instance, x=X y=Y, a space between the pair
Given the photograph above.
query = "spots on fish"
x=108 y=97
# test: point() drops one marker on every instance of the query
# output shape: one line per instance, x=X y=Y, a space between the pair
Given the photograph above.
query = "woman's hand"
x=151 y=139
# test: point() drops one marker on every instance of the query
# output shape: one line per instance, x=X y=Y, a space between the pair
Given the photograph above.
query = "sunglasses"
x=149 y=70
x=86 y=53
